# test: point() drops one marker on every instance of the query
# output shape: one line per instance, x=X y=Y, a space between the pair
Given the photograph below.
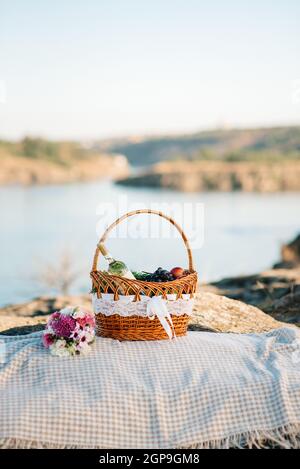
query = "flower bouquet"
x=69 y=331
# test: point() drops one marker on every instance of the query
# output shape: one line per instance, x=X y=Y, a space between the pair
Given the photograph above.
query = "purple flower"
x=63 y=326
x=48 y=340
x=56 y=315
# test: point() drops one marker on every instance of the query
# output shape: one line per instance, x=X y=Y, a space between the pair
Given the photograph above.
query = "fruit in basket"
x=163 y=275
x=160 y=275
x=178 y=272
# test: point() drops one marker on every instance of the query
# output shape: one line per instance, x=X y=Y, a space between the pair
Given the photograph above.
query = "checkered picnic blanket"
x=202 y=390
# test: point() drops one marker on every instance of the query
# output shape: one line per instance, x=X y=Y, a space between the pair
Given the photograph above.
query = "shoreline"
x=210 y=176
x=22 y=172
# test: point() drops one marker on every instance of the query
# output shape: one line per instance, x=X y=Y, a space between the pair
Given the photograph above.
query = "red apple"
x=177 y=272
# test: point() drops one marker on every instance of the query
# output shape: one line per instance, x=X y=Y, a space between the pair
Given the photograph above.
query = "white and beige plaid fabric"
x=165 y=394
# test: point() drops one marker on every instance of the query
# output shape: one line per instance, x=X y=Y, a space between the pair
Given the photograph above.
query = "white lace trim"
x=125 y=306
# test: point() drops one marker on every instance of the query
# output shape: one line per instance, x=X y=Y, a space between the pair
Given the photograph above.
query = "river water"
x=235 y=233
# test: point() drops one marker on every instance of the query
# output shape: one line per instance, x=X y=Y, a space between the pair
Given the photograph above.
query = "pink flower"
x=48 y=340
x=63 y=326
x=69 y=331
x=88 y=320
x=55 y=315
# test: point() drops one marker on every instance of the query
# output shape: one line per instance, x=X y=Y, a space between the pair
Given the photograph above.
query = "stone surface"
x=290 y=253
x=221 y=314
x=11 y=325
x=212 y=312
x=266 y=291
x=287 y=308
x=44 y=306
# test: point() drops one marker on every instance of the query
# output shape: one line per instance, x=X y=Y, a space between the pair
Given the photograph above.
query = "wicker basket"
x=136 y=327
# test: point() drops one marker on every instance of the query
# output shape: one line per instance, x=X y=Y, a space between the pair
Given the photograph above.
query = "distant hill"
x=261 y=144
x=39 y=161
x=61 y=152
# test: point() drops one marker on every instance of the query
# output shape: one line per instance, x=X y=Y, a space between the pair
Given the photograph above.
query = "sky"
x=88 y=69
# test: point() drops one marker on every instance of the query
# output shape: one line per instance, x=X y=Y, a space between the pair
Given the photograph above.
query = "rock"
x=196 y=176
x=263 y=290
x=10 y=325
x=290 y=253
x=220 y=314
x=275 y=291
x=287 y=308
x=45 y=306
x=212 y=312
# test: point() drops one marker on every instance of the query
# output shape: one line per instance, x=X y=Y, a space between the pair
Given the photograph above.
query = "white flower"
x=90 y=335
x=68 y=311
x=59 y=348
x=84 y=348
x=79 y=314
x=82 y=340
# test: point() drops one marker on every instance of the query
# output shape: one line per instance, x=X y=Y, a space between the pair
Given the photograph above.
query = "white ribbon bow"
x=156 y=307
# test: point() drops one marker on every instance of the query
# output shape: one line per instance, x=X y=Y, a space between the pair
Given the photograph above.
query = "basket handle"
x=138 y=212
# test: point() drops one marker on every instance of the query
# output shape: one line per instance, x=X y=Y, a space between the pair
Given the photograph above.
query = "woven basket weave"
x=138 y=327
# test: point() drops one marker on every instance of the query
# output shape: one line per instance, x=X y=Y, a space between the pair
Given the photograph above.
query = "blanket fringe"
x=285 y=437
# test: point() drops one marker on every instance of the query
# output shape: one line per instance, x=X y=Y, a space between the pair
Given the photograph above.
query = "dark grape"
x=160 y=275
